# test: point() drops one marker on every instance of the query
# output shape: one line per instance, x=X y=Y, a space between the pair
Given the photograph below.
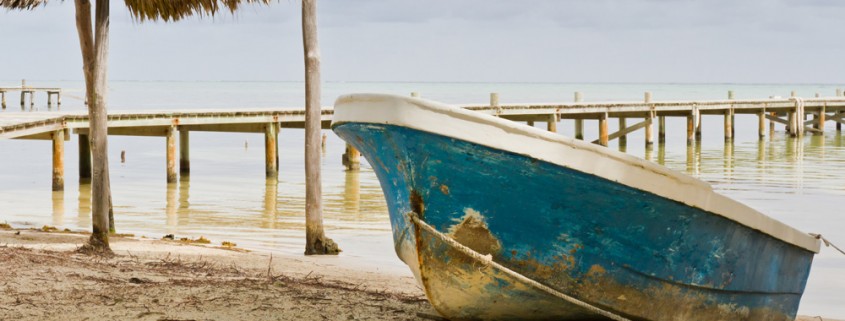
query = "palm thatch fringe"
x=21 y=4
x=173 y=10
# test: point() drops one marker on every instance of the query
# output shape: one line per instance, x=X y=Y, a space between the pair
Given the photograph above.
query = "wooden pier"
x=27 y=90
x=58 y=126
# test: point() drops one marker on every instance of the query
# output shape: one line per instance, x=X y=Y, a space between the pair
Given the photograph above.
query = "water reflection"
x=58 y=208
x=84 y=206
x=171 y=207
x=271 y=198
x=661 y=153
x=184 y=194
x=352 y=193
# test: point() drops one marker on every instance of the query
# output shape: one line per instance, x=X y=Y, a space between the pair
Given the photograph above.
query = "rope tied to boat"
x=487 y=260
x=827 y=242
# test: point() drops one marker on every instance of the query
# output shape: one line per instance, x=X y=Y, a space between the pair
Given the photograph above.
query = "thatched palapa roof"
x=167 y=10
x=173 y=10
x=21 y=4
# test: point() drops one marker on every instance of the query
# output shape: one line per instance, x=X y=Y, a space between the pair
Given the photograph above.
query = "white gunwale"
x=494 y=132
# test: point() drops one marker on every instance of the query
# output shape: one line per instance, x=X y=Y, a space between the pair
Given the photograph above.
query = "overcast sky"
x=740 y=41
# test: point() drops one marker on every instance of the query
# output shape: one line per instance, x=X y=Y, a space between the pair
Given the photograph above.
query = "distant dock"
x=58 y=126
x=27 y=90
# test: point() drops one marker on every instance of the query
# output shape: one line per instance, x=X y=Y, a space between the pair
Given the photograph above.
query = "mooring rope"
x=488 y=260
x=827 y=242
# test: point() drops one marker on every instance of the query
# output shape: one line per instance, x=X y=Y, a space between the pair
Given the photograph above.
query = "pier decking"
x=57 y=126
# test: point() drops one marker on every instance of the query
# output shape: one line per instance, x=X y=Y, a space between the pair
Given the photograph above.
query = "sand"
x=43 y=277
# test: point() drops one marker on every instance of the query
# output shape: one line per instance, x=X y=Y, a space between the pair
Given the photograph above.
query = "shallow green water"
x=226 y=197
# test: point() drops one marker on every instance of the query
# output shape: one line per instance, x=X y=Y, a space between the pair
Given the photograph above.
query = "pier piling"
x=649 y=125
x=698 y=123
x=84 y=158
x=551 y=123
x=352 y=158
x=623 y=138
x=271 y=135
x=733 y=114
x=494 y=103
x=603 y=133
x=761 y=125
x=59 y=160
x=691 y=127
x=579 y=123
x=3 y=95
x=728 y=126
x=184 y=151
x=661 y=129
x=171 y=154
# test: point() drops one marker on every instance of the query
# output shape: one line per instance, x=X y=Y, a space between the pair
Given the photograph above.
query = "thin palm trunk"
x=94 y=47
x=316 y=241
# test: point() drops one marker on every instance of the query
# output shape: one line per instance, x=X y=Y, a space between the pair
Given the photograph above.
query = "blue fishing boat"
x=499 y=220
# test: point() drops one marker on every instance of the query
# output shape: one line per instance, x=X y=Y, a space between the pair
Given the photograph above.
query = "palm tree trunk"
x=316 y=241
x=94 y=47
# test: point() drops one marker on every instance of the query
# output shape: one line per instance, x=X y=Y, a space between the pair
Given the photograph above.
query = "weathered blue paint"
x=630 y=251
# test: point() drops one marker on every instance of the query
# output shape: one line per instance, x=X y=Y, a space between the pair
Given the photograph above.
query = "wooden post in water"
x=691 y=126
x=603 y=129
x=494 y=103
x=530 y=123
x=761 y=124
x=184 y=151
x=661 y=131
x=733 y=114
x=3 y=95
x=271 y=169
x=59 y=160
x=84 y=158
x=772 y=124
x=171 y=154
x=316 y=241
x=820 y=118
x=23 y=92
x=551 y=123
x=649 y=126
x=623 y=139
x=352 y=158
x=728 y=126
x=579 y=123
x=792 y=119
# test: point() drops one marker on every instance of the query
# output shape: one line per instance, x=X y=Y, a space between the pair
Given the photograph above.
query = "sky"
x=575 y=41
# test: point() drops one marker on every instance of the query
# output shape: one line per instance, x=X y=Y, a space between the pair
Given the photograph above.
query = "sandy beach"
x=45 y=278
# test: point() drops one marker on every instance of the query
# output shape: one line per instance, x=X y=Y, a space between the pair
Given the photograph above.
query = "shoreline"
x=149 y=279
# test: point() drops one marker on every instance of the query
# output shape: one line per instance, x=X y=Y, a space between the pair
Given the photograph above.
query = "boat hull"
x=618 y=248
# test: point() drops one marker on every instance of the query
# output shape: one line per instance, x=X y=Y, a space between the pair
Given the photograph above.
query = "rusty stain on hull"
x=472 y=232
